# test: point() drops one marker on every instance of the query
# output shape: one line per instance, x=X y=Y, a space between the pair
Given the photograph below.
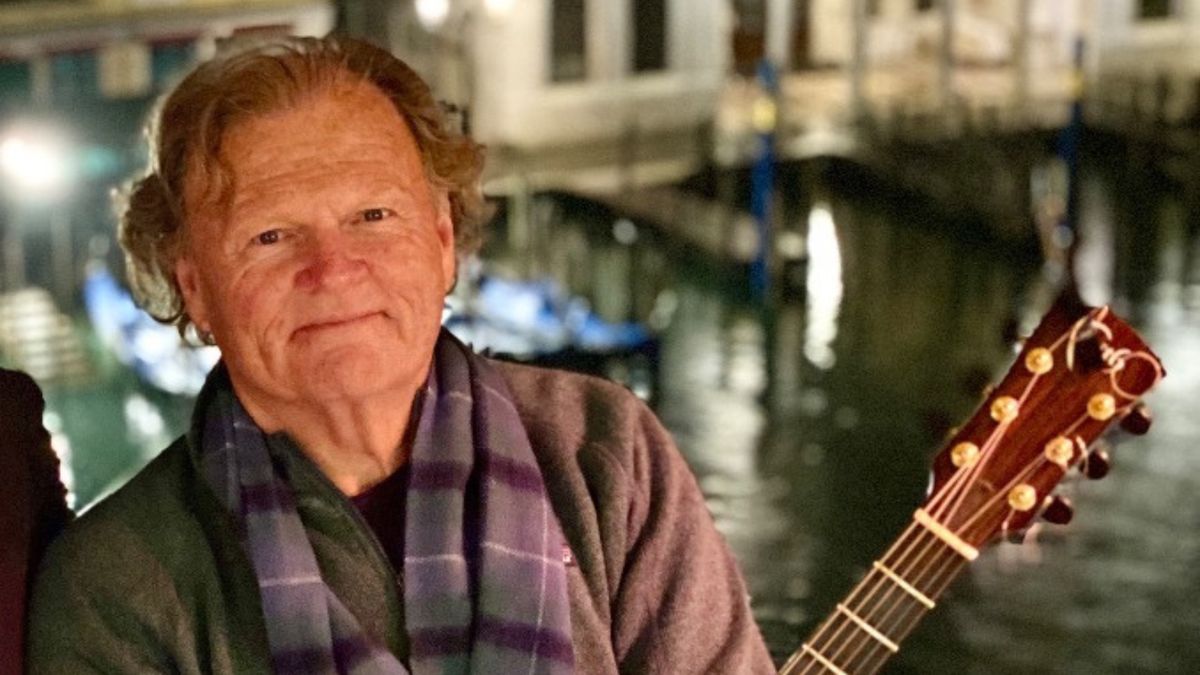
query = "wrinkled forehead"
x=350 y=128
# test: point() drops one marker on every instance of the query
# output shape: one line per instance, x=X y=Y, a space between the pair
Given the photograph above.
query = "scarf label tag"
x=568 y=557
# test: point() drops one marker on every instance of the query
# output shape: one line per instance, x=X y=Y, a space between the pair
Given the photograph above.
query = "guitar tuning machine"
x=1058 y=510
x=1097 y=464
x=1138 y=420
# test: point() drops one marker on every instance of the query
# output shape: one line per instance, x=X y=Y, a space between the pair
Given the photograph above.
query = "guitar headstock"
x=1081 y=370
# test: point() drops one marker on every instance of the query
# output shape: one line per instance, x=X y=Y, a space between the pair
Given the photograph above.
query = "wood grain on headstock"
x=998 y=469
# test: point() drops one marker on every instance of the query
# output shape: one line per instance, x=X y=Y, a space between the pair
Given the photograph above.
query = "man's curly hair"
x=185 y=133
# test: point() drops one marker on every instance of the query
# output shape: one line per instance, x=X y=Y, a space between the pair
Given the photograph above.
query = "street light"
x=35 y=164
x=37 y=171
x=432 y=13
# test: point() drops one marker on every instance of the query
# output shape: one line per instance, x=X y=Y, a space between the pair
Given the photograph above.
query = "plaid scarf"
x=485 y=589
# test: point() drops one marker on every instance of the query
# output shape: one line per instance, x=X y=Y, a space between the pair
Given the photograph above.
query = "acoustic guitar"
x=1081 y=370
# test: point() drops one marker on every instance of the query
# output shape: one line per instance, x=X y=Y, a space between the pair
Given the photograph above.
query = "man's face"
x=323 y=278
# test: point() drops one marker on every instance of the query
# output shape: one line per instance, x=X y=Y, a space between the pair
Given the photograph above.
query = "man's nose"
x=331 y=259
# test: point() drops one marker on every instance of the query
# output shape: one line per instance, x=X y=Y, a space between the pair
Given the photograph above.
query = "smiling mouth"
x=334 y=323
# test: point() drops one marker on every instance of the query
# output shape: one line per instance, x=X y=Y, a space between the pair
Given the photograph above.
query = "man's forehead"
x=353 y=130
x=353 y=114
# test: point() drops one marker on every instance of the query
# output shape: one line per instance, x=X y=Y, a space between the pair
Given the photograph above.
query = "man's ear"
x=187 y=276
x=445 y=234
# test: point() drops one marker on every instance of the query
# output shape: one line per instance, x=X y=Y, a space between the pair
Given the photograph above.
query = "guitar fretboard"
x=867 y=627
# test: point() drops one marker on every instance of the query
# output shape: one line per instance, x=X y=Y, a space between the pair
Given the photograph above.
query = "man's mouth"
x=334 y=323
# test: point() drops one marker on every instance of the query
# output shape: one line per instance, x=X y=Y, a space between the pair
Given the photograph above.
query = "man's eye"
x=267 y=238
x=373 y=215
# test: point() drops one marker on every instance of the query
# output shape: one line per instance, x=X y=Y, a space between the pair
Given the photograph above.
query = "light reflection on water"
x=823 y=286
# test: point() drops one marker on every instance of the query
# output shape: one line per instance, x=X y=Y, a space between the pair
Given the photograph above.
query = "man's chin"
x=358 y=373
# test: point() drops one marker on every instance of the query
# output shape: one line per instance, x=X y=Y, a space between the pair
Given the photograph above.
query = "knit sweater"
x=155 y=578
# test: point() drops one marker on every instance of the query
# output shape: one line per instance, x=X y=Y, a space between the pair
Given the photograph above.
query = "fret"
x=904 y=585
x=820 y=658
x=869 y=629
x=872 y=621
x=942 y=532
x=807 y=656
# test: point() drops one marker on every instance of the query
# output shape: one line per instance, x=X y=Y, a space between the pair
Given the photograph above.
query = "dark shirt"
x=383 y=507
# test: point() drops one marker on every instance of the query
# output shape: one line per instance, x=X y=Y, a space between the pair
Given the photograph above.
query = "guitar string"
x=866 y=639
x=832 y=620
x=891 y=601
x=820 y=634
x=904 y=570
x=958 y=486
x=1117 y=360
x=896 y=626
x=860 y=606
x=995 y=438
x=937 y=506
x=869 y=586
x=1002 y=493
x=1068 y=338
x=906 y=624
x=945 y=573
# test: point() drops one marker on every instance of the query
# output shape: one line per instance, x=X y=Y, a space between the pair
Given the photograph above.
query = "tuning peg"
x=1058 y=510
x=1097 y=464
x=1088 y=356
x=1138 y=420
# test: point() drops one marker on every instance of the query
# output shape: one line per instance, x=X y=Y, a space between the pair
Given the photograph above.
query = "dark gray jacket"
x=154 y=578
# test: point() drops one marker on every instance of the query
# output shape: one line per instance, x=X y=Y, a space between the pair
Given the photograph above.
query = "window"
x=749 y=35
x=801 y=35
x=568 y=39
x=1155 y=9
x=16 y=81
x=649 y=35
x=925 y=5
x=74 y=76
x=169 y=60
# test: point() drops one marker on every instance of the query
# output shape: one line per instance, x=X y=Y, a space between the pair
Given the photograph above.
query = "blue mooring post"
x=762 y=175
x=1069 y=140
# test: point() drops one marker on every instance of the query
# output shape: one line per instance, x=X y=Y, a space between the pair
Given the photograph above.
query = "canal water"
x=810 y=424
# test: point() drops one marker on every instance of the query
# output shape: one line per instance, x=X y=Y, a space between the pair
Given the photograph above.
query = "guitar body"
x=1081 y=370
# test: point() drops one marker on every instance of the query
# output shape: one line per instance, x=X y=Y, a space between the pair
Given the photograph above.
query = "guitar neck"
x=867 y=627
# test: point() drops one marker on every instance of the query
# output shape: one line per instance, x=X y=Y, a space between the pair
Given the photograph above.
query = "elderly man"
x=358 y=491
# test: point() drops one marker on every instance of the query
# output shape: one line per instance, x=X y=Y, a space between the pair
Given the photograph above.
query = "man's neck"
x=356 y=444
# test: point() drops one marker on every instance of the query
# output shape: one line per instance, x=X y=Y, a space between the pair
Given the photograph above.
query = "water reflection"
x=824 y=287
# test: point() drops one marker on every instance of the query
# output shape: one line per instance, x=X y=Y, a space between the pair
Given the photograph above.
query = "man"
x=33 y=507
x=358 y=491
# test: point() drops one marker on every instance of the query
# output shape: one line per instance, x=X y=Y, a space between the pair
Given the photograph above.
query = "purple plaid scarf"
x=482 y=594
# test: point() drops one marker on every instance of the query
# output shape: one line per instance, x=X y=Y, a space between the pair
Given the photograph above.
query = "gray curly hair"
x=185 y=133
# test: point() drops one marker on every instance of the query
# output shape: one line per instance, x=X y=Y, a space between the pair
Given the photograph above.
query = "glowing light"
x=498 y=8
x=432 y=13
x=35 y=164
x=625 y=232
x=824 y=287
